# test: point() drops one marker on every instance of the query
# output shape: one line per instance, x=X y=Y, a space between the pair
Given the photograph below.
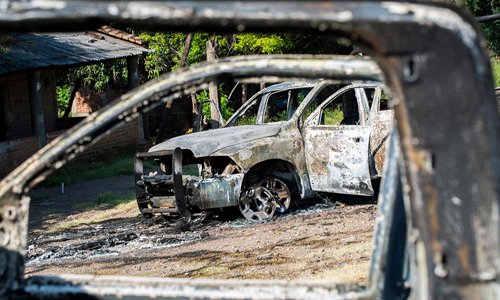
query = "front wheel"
x=261 y=201
x=280 y=191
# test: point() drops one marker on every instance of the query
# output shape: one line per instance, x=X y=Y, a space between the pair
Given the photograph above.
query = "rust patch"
x=432 y=207
x=379 y=137
x=463 y=255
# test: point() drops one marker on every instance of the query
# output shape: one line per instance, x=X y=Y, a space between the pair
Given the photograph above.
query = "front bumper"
x=175 y=193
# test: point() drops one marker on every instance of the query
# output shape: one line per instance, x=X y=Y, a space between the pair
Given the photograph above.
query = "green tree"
x=491 y=28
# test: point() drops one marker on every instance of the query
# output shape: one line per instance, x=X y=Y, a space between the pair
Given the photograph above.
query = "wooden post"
x=36 y=105
x=133 y=82
x=185 y=51
x=212 y=90
x=194 y=102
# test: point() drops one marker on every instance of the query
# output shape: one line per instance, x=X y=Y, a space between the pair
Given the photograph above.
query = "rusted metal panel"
x=381 y=124
x=217 y=192
x=111 y=287
x=207 y=142
x=337 y=159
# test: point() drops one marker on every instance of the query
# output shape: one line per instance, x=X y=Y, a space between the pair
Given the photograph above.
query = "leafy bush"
x=102 y=75
x=225 y=109
x=63 y=95
x=495 y=65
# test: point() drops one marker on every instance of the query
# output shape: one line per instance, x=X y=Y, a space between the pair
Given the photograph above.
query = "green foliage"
x=167 y=50
x=333 y=115
x=102 y=75
x=225 y=109
x=249 y=43
x=63 y=95
x=246 y=120
x=495 y=65
x=277 y=117
x=491 y=28
x=168 y=47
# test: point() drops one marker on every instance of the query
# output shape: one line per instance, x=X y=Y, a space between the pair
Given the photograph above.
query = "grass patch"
x=52 y=211
x=110 y=166
x=105 y=200
x=495 y=65
x=124 y=210
x=40 y=197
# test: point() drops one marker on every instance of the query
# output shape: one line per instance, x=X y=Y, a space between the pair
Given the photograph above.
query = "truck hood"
x=207 y=142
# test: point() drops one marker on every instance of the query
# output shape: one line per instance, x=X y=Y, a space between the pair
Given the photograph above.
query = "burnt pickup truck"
x=290 y=140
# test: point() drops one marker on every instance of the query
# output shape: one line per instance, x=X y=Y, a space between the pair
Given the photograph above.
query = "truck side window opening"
x=249 y=116
x=282 y=105
x=341 y=111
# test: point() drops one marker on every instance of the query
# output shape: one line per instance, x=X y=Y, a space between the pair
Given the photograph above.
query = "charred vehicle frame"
x=438 y=231
x=323 y=137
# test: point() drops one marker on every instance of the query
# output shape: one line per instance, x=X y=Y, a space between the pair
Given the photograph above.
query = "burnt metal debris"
x=438 y=231
x=300 y=138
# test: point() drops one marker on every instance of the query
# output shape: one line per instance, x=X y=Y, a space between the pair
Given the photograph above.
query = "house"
x=28 y=100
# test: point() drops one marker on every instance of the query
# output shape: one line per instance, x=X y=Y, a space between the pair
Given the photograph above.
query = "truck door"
x=336 y=141
x=381 y=121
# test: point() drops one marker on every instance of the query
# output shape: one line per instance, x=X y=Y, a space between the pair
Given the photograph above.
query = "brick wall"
x=15 y=98
x=88 y=100
x=20 y=143
x=16 y=105
x=14 y=152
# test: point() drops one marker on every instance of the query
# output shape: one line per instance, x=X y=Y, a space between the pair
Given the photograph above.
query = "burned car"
x=437 y=231
x=289 y=141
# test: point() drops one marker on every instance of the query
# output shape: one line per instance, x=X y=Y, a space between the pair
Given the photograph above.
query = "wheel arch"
x=280 y=168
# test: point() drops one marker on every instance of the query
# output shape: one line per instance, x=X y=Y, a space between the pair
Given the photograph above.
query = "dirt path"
x=315 y=242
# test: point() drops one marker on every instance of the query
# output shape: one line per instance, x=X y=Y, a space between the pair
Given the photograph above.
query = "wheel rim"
x=280 y=192
x=257 y=204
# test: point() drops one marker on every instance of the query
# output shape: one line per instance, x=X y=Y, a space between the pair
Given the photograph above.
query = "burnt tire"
x=142 y=202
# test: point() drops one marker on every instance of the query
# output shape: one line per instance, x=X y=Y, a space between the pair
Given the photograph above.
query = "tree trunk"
x=212 y=90
x=185 y=51
x=165 y=117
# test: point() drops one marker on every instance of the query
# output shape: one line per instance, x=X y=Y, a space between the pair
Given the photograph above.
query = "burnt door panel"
x=336 y=145
x=337 y=159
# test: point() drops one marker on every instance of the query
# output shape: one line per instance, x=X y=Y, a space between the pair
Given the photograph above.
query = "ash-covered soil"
x=314 y=242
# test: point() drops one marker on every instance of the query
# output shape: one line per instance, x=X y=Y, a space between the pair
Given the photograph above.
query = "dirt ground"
x=318 y=241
